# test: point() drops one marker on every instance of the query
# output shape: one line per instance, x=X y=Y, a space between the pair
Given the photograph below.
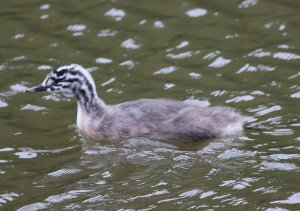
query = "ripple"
x=168 y=86
x=103 y=61
x=116 y=14
x=45 y=67
x=238 y=185
x=295 y=95
x=100 y=150
x=235 y=153
x=77 y=29
x=263 y=110
x=108 y=81
x=18 y=58
x=129 y=63
x=286 y=56
x=211 y=55
x=294 y=76
x=26 y=154
x=6 y=149
x=180 y=55
x=155 y=193
x=43 y=17
x=107 y=33
x=212 y=148
x=45 y=6
x=159 y=184
x=106 y=174
x=207 y=194
x=277 y=157
x=166 y=70
x=159 y=24
x=250 y=68
x=265 y=165
x=280 y=132
x=130 y=44
x=183 y=44
x=66 y=196
x=260 y=53
x=16 y=88
x=190 y=193
x=248 y=3
x=197 y=12
x=64 y=171
x=294 y=199
x=240 y=99
x=8 y=197
x=219 y=62
x=33 y=107
x=146 y=143
x=3 y=104
x=97 y=198
x=33 y=207
x=194 y=75
x=146 y=156
x=19 y=36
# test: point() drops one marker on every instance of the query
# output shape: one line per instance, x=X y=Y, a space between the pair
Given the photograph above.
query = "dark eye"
x=54 y=80
x=57 y=80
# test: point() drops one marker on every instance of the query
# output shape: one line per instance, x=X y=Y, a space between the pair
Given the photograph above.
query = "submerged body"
x=151 y=118
x=159 y=119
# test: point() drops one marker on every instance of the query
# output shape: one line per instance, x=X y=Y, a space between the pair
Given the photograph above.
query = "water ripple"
x=265 y=165
x=65 y=171
x=219 y=62
x=130 y=44
x=116 y=14
x=293 y=199
x=263 y=110
x=197 y=12
x=166 y=70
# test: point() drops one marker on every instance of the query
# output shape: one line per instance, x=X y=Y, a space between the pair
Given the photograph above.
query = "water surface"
x=243 y=54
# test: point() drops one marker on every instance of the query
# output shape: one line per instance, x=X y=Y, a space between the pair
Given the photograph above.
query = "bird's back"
x=175 y=120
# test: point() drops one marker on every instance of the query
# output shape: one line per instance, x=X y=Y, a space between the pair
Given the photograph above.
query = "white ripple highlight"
x=265 y=165
x=165 y=70
x=64 y=171
x=116 y=14
x=240 y=99
x=263 y=110
x=103 y=60
x=219 y=62
x=196 y=13
x=130 y=44
x=293 y=199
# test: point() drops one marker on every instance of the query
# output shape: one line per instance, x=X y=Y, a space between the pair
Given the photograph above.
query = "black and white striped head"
x=69 y=80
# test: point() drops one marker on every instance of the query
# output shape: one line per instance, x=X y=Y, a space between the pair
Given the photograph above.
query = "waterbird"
x=159 y=119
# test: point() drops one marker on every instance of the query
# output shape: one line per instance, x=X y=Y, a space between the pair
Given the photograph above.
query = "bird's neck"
x=89 y=105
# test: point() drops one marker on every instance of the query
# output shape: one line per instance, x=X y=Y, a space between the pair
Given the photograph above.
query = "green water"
x=244 y=54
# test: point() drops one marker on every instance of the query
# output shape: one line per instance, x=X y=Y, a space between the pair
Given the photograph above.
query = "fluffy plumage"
x=152 y=118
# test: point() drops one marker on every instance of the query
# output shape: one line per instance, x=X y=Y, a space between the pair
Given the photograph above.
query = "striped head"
x=69 y=80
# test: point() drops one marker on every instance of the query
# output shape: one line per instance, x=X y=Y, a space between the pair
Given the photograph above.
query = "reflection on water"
x=243 y=54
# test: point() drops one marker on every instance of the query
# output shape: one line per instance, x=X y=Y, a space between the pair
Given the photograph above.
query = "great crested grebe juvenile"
x=151 y=118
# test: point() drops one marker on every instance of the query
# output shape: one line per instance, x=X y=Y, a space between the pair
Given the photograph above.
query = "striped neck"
x=87 y=97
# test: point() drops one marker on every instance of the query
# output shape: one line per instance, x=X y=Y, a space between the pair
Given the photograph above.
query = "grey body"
x=152 y=118
x=162 y=119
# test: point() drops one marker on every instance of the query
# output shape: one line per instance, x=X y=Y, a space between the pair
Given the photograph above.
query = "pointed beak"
x=37 y=88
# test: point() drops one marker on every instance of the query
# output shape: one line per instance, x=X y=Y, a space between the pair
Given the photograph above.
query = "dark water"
x=244 y=54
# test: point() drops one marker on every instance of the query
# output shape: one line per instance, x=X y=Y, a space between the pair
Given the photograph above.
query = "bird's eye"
x=52 y=80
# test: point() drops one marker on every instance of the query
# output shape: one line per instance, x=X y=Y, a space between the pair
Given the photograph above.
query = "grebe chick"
x=151 y=118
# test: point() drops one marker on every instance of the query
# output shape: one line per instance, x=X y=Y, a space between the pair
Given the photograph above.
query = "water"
x=243 y=54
